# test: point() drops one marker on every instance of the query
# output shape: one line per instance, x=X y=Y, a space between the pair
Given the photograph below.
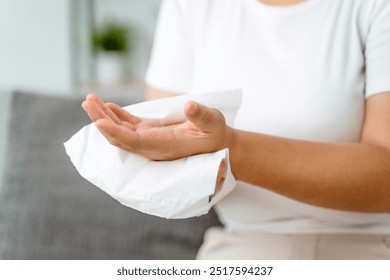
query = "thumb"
x=203 y=117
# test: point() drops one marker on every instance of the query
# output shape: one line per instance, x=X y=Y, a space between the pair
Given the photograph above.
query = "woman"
x=311 y=142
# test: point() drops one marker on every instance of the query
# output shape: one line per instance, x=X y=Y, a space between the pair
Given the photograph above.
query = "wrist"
x=231 y=137
x=232 y=146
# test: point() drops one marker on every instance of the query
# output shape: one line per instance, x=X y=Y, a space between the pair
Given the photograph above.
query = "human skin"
x=344 y=176
x=281 y=2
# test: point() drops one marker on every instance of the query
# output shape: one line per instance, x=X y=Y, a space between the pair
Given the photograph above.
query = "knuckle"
x=205 y=117
x=220 y=115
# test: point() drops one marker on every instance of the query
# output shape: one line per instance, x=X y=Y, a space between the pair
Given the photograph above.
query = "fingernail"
x=193 y=108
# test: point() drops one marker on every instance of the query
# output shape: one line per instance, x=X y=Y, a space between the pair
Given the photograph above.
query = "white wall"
x=142 y=14
x=35 y=46
x=36 y=41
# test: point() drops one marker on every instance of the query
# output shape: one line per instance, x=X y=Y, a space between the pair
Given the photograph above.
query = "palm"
x=155 y=139
x=167 y=134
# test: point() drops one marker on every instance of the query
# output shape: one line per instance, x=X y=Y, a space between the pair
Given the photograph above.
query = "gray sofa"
x=47 y=211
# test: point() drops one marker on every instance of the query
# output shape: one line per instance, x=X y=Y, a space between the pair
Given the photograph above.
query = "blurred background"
x=72 y=47
x=52 y=53
x=49 y=45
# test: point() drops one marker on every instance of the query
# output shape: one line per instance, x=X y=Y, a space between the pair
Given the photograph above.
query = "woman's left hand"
x=204 y=131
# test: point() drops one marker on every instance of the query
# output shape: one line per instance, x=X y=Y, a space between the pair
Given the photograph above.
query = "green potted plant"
x=112 y=44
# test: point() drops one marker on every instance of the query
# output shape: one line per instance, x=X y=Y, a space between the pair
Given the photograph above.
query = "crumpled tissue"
x=180 y=188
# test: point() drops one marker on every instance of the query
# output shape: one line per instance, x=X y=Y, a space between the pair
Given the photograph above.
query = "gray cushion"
x=47 y=211
x=5 y=98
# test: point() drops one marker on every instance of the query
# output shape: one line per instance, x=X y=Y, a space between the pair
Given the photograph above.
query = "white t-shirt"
x=305 y=71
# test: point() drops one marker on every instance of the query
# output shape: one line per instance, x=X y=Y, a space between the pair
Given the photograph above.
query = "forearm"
x=353 y=177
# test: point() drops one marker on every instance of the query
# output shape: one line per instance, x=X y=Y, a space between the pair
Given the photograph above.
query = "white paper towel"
x=171 y=189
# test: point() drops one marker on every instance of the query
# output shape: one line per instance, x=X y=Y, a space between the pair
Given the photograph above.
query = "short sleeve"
x=378 y=50
x=170 y=66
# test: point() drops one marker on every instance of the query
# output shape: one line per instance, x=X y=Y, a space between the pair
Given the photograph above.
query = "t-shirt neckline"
x=285 y=9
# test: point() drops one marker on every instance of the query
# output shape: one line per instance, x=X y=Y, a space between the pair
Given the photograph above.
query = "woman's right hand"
x=204 y=131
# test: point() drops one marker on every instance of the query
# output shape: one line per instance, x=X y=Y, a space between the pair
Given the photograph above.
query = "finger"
x=122 y=114
x=99 y=104
x=118 y=135
x=203 y=117
x=93 y=112
x=93 y=108
x=94 y=99
x=129 y=140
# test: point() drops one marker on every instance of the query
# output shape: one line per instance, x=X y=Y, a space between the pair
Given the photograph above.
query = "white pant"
x=220 y=244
